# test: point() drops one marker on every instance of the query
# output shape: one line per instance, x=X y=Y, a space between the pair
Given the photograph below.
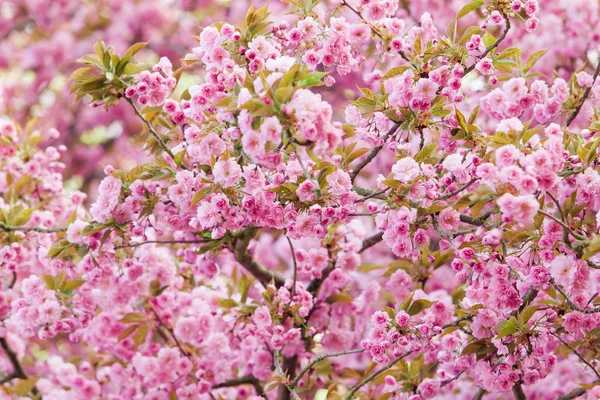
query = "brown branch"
x=369 y=378
x=242 y=380
x=573 y=305
x=371 y=194
x=373 y=153
x=583 y=360
x=122 y=246
x=152 y=131
x=287 y=389
x=494 y=45
x=477 y=221
x=518 y=392
x=242 y=256
x=295 y=264
x=183 y=351
x=371 y=241
x=319 y=359
x=40 y=229
x=586 y=94
x=479 y=395
x=457 y=191
x=580 y=391
x=18 y=368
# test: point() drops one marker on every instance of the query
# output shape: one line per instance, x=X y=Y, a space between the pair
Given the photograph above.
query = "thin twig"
x=319 y=359
x=373 y=152
x=371 y=241
x=567 y=227
x=183 y=351
x=477 y=221
x=583 y=360
x=283 y=375
x=586 y=94
x=14 y=360
x=573 y=305
x=580 y=391
x=369 y=378
x=242 y=380
x=371 y=194
x=450 y=380
x=494 y=45
x=457 y=191
x=122 y=246
x=295 y=264
x=161 y=143
x=40 y=229
x=241 y=254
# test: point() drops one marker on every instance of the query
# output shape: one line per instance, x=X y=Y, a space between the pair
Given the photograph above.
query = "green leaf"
x=419 y=305
x=134 y=49
x=133 y=317
x=140 y=335
x=488 y=39
x=24 y=386
x=395 y=72
x=534 y=58
x=49 y=280
x=128 y=331
x=511 y=51
x=527 y=313
x=507 y=327
x=23 y=217
x=425 y=152
x=470 y=7
x=74 y=284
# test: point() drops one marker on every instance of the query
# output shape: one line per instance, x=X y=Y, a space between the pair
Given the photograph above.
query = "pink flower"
x=406 y=170
x=449 y=219
x=521 y=209
x=262 y=317
x=485 y=66
x=339 y=182
x=306 y=191
x=227 y=172
x=429 y=388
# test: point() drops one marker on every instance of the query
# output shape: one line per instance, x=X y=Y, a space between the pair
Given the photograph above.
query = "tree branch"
x=572 y=394
x=457 y=191
x=40 y=229
x=585 y=96
x=369 y=378
x=122 y=246
x=319 y=359
x=371 y=241
x=241 y=254
x=518 y=392
x=373 y=153
x=14 y=360
x=494 y=45
x=287 y=389
x=153 y=132
x=573 y=305
x=242 y=380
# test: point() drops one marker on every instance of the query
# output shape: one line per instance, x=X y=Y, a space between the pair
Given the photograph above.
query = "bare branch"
x=373 y=375
x=151 y=129
x=585 y=96
x=371 y=241
x=122 y=246
x=373 y=152
x=319 y=359
x=241 y=254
